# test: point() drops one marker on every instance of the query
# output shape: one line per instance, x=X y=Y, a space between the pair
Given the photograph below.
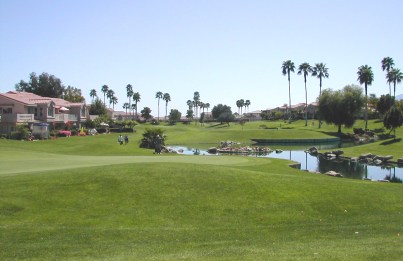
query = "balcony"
x=65 y=117
x=17 y=118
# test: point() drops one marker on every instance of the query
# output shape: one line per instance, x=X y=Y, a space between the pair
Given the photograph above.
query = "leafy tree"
x=387 y=64
x=89 y=124
x=159 y=96
x=288 y=67
x=384 y=103
x=394 y=117
x=136 y=99
x=320 y=71
x=45 y=85
x=93 y=94
x=222 y=113
x=97 y=107
x=174 y=116
x=167 y=98
x=342 y=106
x=146 y=113
x=129 y=94
x=366 y=77
x=104 y=90
x=151 y=137
x=72 y=94
x=305 y=69
x=189 y=114
x=394 y=76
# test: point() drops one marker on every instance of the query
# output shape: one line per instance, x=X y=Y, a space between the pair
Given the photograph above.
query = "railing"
x=65 y=117
x=17 y=117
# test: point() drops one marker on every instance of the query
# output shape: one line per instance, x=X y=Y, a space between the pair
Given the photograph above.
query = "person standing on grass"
x=120 y=139
x=126 y=140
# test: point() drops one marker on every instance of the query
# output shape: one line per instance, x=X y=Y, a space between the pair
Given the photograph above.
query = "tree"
x=341 y=107
x=73 y=94
x=114 y=101
x=320 y=71
x=97 y=107
x=158 y=96
x=189 y=103
x=196 y=100
x=93 y=94
x=110 y=94
x=222 y=113
x=146 y=113
x=174 y=116
x=387 y=64
x=126 y=107
x=167 y=98
x=288 y=67
x=239 y=105
x=247 y=103
x=151 y=137
x=394 y=117
x=305 y=69
x=45 y=85
x=366 y=77
x=104 y=90
x=129 y=94
x=136 y=99
x=384 y=103
x=189 y=114
x=394 y=76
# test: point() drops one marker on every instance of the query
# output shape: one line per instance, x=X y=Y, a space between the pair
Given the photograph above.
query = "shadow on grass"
x=388 y=142
x=219 y=125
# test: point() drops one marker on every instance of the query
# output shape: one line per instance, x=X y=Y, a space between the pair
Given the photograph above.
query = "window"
x=31 y=110
x=7 y=110
x=35 y=111
x=50 y=111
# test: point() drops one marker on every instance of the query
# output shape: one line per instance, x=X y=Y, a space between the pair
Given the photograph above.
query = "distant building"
x=28 y=108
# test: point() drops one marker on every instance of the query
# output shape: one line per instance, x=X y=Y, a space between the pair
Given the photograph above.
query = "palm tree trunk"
x=289 y=97
x=320 y=93
x=306 y=106
x=366 y=108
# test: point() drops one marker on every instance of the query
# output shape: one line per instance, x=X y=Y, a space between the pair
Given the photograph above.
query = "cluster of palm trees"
x=365 y=76
x=113 y=100
x=242 y=103
x=165 y=97
x=319 y=70
x=196 y=104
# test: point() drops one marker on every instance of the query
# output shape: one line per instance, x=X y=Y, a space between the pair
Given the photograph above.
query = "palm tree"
x=136 y=99
x=238 y=104
x=320 y=71
x=110 y=95
x=288 y=67
x=158 y=96
x=129 y=93
x=366 y=77
x=93 y=94
x=114 y=101
x=207 y=106
x=387 y=65
x=104 y=89
x=196 y=100
x=247 y=103
x=167 y=98
x=189 y=103
x=394 y=76
x=305 y=69
x=126 y=106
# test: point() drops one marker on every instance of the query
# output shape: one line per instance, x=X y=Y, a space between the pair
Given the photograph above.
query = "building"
x=27 y=108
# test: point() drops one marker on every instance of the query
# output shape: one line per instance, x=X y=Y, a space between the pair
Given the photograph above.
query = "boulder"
x=334 y=174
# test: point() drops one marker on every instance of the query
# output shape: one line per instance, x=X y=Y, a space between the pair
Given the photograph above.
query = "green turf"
x=88 y=198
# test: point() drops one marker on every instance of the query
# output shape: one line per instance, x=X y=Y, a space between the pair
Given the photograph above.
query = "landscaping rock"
x=334 y=174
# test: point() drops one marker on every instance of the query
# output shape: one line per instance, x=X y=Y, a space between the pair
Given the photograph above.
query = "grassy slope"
x=256 y=209
x=84 y=204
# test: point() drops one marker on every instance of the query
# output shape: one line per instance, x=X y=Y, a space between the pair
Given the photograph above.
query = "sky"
x=224 y=49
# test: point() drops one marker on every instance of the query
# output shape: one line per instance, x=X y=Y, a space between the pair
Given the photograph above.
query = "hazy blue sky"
x=224 y=49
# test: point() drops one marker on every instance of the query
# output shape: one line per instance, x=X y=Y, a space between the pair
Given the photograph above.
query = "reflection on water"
x=320 y=164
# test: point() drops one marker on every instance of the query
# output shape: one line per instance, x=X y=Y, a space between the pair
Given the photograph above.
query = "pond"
x=348 y=169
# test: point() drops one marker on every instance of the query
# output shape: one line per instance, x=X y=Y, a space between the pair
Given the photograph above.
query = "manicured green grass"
x=88 y=198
